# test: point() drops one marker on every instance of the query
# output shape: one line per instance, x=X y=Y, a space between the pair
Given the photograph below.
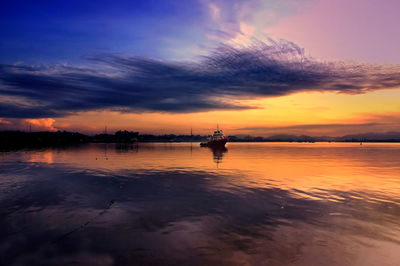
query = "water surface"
x=165 y=204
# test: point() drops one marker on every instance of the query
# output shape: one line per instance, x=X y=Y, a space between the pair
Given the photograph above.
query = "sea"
x=181 y=204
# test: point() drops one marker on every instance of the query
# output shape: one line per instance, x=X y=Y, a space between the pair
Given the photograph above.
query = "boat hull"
x=214 y=143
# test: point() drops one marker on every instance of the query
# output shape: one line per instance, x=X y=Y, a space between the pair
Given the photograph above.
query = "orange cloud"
x=42 y=124
x=3 y=121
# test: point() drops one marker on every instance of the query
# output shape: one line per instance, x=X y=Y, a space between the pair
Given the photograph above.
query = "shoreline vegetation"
x=21 y=139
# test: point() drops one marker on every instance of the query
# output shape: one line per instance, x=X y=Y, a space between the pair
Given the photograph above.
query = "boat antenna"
x=217 y=127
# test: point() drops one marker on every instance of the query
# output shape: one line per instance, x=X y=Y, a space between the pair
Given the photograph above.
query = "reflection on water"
x=218 y=153
x=258 y=204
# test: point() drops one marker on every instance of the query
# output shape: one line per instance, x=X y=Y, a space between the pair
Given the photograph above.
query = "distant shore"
x=20 y=139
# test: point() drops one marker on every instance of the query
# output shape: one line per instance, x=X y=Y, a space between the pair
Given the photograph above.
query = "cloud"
x=218 y=81
x=334 y=129
x=237 y=24
x=42 y=123
x=4 y=122
x=36 y=124
x=311 y=126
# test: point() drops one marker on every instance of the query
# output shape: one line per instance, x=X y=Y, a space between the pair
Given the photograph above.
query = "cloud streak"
x=218 y=81
x=377 y=124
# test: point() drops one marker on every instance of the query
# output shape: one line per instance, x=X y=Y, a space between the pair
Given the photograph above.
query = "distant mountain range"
x=365 y=137
x=388 y=136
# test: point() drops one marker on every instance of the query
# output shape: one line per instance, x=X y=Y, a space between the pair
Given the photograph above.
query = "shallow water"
x=252 y=204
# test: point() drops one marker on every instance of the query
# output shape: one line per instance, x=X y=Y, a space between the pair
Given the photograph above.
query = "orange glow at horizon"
x=306 y=108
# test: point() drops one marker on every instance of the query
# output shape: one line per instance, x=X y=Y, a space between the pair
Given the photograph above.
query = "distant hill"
x=277 y=138
x=388 y=136
x=365 y=137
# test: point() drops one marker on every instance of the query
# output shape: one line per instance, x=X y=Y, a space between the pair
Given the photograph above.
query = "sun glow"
x=307 y=108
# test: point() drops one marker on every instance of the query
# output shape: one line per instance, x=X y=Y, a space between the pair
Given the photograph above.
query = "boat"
x=217 y=139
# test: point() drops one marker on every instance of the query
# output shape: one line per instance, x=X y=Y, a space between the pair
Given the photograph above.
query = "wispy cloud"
x=240 y=22
x=310 y=126
x=218 y=81
x=379 y=124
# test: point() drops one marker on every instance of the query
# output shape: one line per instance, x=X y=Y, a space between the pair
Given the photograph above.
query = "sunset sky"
x=262 y=67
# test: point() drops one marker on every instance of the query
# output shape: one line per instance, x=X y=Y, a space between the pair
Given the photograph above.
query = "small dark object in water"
x=84 y=224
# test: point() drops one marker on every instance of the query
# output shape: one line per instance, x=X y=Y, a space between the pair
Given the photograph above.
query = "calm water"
x=167 y=204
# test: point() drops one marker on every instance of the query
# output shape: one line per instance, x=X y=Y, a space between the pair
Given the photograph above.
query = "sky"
x=258 y=67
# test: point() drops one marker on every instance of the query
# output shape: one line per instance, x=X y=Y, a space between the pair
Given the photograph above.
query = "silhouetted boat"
x=217 y=139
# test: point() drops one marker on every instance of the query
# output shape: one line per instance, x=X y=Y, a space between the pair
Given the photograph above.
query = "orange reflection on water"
x=278 y=203
x=294 y=166
x=41 y=157
x=329 y=166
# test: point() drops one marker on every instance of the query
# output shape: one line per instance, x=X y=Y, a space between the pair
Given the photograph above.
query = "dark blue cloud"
x=216 y=82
